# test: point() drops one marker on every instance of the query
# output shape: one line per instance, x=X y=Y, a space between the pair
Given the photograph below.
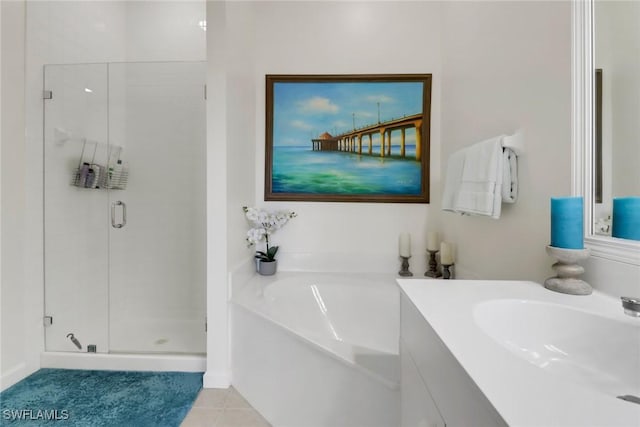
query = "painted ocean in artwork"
x=327 y=138
x=301 y=170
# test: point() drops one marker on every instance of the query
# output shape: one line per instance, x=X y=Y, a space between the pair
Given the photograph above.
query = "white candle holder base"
x=568 y=270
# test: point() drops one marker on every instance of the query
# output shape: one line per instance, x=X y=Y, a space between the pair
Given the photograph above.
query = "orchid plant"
x=264 y=225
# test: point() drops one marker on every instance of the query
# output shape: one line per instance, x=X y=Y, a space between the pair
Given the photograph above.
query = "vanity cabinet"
x=417 y=406
x=435 y=389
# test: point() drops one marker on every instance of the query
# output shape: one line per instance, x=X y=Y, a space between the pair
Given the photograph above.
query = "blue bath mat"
x=69 y=397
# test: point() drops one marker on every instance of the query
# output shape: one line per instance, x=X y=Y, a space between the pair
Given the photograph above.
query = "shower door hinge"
x=47 y=320
x=205 y=324
x=47 y=94
x=205 y=92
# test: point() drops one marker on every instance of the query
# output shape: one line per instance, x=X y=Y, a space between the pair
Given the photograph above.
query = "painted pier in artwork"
x=351 y=142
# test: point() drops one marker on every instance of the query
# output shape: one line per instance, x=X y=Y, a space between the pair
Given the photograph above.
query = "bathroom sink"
x=598 y=352
x=540 y=358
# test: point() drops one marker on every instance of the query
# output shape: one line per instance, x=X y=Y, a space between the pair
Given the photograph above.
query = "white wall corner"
x=217 y=278
x=18 y=357
x=2 y=380
x=216 y=379
x=12 y=376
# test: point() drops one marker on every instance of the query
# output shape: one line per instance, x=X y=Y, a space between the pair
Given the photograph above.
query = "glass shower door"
x=124 y=200
x=75 y=211
x=157 y=234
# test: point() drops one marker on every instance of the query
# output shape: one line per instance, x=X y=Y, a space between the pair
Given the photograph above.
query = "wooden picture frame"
x=348 y=138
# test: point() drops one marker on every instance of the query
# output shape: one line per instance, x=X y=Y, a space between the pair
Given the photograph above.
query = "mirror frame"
x=582 y=135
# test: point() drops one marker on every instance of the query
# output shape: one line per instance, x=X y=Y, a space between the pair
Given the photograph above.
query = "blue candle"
x=567 y=221
x=626 y=218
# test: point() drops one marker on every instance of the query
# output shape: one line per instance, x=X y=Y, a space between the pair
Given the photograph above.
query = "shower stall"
x=124 y=214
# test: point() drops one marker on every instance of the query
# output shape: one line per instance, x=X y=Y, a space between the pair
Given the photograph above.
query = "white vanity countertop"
x=523 y=393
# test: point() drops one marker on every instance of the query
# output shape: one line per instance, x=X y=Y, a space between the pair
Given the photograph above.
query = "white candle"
x=446 y=253
x=404 y=244
x=433 y=241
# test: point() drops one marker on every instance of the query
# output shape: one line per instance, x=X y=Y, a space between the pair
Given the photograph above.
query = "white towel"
x=479 y=178
x=480 y=191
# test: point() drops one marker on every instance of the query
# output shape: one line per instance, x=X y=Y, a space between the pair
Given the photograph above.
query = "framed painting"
x=348 y=138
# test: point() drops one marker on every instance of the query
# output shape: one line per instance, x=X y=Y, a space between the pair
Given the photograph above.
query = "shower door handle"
x=113 y=214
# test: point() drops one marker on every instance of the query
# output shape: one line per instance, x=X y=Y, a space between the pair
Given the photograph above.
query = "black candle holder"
x=404 y=268
x=433 y=265
x=447 y=271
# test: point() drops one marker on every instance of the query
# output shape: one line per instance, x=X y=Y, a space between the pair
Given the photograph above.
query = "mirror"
x=616 y=57
x=590 y=105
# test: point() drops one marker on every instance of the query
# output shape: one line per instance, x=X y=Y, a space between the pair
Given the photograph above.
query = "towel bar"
x=514 y=142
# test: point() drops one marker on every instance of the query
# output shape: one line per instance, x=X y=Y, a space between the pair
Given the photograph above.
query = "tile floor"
x=223 y=408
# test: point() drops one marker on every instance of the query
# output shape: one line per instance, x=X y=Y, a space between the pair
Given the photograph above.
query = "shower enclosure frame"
x=123 y=358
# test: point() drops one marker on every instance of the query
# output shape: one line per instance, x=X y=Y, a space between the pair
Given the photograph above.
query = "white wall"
x=241 y=124
x=2 y=315
x=506 y=66
x=15 y=357
x=217 y=374
x=1 y=139
x=348 y=38
x=15 y=345
x=164 y=30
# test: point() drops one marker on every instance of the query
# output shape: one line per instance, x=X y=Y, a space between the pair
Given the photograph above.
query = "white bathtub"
x=318 y=349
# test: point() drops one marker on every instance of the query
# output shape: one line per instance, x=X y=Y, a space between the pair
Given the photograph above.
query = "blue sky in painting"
x=303 y=111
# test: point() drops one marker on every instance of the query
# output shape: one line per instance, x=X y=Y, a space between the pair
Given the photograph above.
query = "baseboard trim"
x=123 y=362
x=14 y=375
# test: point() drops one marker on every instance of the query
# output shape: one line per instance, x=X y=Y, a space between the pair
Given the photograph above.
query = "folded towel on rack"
x=480 y=191
x=479 y=178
